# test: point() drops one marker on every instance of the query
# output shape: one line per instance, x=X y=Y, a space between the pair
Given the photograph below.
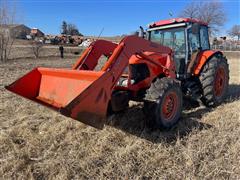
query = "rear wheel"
x=214 y=79
x=163 y=105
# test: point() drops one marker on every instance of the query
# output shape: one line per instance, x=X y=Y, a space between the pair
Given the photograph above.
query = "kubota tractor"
x=174 y=60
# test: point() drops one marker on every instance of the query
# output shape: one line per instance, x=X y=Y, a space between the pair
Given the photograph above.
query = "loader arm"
x=91 y=105
x=81 y=93
x=89 y=59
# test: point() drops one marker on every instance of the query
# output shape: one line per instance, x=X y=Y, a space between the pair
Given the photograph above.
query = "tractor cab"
x=185 y=36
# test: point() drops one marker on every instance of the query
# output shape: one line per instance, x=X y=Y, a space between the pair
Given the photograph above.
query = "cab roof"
x=175 y=21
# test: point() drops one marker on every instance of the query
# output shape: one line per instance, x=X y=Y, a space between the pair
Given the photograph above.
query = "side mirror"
x=195 y=28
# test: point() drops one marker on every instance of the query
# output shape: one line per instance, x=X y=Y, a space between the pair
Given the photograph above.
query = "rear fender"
x=202 y=58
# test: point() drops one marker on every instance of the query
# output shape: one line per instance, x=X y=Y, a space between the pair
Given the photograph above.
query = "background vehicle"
x=173 y=62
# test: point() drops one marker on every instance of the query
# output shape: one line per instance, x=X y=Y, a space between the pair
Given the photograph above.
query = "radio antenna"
x=100 y=33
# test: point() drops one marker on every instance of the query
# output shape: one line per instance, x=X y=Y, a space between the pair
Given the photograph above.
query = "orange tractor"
x=172 y=61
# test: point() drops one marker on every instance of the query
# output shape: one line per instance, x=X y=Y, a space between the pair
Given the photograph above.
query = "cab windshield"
x=175 y=39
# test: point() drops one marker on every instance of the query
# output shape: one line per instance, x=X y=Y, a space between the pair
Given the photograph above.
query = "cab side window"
x=204 y=38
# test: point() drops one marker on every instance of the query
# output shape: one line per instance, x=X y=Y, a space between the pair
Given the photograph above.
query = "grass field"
x=37 y=143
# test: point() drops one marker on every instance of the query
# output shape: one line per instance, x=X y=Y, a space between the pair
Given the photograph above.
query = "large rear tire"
x=214 y=79
x=163 y=105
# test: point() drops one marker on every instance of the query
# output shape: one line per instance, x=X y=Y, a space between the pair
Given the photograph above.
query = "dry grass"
x=37 y=143
x=26 y=51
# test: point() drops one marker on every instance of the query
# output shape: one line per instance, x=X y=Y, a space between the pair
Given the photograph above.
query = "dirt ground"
x=37 y=143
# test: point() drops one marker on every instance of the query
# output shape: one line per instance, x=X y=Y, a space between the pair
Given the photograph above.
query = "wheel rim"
x=219 y=83
x=169 y=106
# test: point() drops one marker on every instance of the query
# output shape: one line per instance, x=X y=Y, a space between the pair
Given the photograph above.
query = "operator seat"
x=192 y=61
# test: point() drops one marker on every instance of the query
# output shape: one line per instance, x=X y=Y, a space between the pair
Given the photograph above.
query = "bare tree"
x=211 y=12
x=6 y=42
x=69 y=29
x=7 y=17
x=72 y=29
x=235 y=31
x=36 y=48
x=191 y=10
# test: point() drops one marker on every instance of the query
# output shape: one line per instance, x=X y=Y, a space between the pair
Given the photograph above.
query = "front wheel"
x=163 y=105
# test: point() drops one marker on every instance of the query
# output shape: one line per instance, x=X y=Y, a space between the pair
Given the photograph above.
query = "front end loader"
x=173 y=61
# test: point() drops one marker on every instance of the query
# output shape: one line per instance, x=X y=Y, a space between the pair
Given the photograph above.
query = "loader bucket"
x=74 y=93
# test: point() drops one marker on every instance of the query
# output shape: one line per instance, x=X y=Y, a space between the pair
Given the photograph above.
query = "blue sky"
x=116 y=17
